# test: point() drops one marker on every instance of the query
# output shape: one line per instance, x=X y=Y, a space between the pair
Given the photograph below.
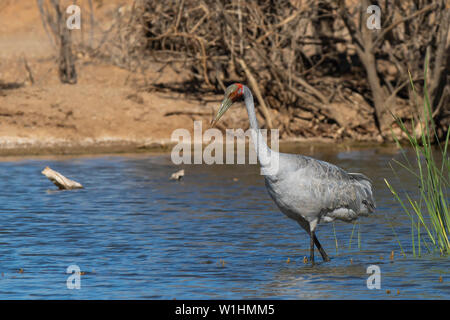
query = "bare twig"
x=257 y=92
x=27 y=67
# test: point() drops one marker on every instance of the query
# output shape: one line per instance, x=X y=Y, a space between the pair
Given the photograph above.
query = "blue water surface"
x=215 y=234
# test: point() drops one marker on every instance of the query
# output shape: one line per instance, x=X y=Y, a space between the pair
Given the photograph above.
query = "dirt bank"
x=103 y=112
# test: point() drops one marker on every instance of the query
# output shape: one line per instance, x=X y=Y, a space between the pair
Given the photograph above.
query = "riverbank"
x=109 y=110
x=26 y=148
x=102 y=113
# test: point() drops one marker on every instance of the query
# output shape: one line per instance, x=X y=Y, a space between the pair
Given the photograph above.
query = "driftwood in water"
x=60 y=181
x=177 y=175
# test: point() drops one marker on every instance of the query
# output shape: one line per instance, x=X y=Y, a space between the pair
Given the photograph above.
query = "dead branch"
x=28 y=69
x=60 y=181
x=297 y=55
x=257 y=91
x=55 y=20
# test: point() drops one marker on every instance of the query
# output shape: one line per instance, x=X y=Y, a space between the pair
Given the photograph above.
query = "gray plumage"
x=310 y=189
x=305 y=189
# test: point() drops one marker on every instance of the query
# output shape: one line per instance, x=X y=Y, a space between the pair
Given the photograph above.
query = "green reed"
x=430 y=213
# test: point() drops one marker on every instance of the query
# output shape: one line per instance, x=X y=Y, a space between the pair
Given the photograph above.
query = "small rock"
x=152 y=145
x=135 y=98
x=222 y=262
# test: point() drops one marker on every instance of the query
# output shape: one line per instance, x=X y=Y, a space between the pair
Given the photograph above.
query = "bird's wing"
x=350 y=198
x=334 y=192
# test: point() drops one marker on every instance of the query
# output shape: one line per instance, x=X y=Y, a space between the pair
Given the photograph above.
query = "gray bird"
x=305 y=189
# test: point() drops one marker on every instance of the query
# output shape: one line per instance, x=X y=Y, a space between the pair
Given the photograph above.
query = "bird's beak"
x=226 y=103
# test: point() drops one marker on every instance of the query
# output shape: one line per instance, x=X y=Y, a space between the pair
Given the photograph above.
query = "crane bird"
x=305 y=189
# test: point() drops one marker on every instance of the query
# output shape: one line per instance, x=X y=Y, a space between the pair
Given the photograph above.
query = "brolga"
x=307 y=190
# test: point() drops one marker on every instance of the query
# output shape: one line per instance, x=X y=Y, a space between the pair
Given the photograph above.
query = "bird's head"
x=232 y=94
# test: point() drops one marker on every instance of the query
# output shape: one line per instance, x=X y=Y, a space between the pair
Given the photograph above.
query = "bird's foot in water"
x=325 y=257
x=311 y=259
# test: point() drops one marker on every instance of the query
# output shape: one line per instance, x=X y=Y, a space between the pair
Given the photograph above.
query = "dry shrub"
x=320 y=70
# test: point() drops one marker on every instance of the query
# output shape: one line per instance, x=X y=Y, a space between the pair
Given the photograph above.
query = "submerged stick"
x=177 y=175
x=59 y=180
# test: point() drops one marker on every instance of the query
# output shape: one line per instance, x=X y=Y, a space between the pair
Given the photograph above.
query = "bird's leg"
x=321 y=250
x=311 y=248
x=310 y=229
x=312 y=235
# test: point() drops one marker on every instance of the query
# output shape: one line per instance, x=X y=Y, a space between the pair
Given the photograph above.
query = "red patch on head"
x=238 y=92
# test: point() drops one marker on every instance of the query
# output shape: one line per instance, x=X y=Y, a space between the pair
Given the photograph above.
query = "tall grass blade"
x=430 y=213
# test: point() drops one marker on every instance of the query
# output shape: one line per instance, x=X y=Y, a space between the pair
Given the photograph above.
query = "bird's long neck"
x=262 y=150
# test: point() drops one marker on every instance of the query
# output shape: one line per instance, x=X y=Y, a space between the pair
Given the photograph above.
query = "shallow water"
x=136 y=235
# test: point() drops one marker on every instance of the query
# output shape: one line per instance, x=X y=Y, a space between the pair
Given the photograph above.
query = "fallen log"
x=60 y=181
